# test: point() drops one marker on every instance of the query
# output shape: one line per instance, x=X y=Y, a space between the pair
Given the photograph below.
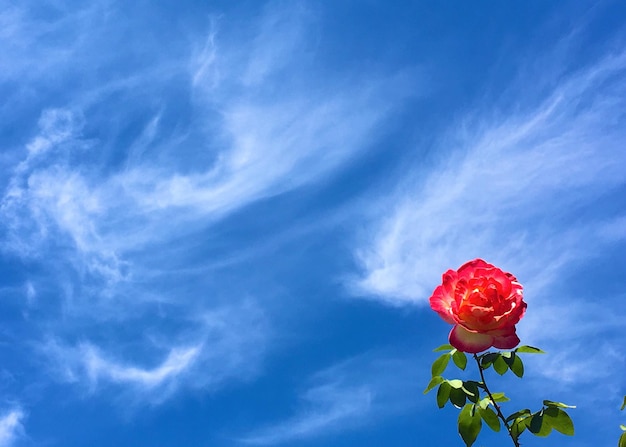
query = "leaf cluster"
x=541 y=423
x=476 y=409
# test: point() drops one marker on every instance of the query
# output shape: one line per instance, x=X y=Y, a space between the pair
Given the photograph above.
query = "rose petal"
x=505 y=339
x=503 y=281
x=467 y=341
x=515 y=314
x=470 y=266
x=441 y=303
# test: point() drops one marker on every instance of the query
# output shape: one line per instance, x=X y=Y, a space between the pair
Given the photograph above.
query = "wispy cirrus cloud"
x=367 y=388
x=97 y=367
x=91 y=221
x=247 y=144
x=513 y=191
x=208 y=124
x=11 y=427
x=328 y=407
x=215 y=348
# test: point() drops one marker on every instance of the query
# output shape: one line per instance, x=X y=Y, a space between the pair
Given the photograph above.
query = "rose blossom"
x=484 y=304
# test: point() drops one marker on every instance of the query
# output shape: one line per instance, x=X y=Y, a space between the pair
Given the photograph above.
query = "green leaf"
x=517 y=414
x=623 y=403
x=433 y=383
x=457 y=397
x=500 y=365
x=445 y=347
x=515 y=364
x=443 y=394
x=456 y=383
x=490 y=417
x=529 y=350
x=559 y=420
x=622 y=440
x=535 y=422
x=539 y=426
x=471 y=390
x=546 y=429
x=460 y=359
x=520 y=424
x=439 y=365
x=484 y=402
x=517 y=429
x=500 y=397
x=623 y=427
x=469 y=424
x=486 y=360
x=549 y=403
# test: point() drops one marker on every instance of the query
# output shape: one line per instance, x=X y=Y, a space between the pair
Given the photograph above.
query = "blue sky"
x=221 y=222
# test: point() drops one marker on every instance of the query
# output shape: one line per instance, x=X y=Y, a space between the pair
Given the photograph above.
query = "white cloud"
x=270 y=135
x=105 y=184
x=204 y=71
x=275 y=147
x=347 y=395
x=567 y=330
x=11 y=427
x=279 y=42
x=505 y=191
x=328 y=408
x=57 y=207
x=216 y=347
x=86 y=363
x=30 y=54
x=177 y=360
x=255 y=144
x=56 y=126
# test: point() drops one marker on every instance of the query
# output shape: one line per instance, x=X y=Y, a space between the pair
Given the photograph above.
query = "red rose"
x=484 y=304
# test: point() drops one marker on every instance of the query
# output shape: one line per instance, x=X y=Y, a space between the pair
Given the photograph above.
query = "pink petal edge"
x=441 y=303
x=508 y=341
x=470 y=342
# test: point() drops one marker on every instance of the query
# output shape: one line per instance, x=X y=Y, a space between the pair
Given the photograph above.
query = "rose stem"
x=495 y=404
